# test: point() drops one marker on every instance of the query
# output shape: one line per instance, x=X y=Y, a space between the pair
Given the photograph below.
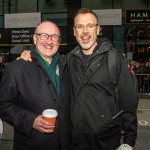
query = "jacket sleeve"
x=127 y=102
x=10 y=109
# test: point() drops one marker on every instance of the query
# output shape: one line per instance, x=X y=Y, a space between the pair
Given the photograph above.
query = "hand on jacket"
x=25 y=55
x=42 y=126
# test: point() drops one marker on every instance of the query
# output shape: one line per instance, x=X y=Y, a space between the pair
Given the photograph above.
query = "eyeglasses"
x=89 y=27
x=44 y=36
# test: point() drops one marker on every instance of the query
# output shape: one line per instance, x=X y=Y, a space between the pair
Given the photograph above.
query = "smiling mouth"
x=48 y=47
x=85 y=38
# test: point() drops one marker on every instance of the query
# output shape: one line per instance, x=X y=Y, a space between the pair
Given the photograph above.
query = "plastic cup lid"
x=50 y=113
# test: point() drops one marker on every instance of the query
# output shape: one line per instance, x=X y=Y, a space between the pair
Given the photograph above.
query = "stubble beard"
x=86 y=46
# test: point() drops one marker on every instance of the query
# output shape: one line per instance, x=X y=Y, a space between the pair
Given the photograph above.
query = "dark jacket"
x=25 y=91
x=94 y=102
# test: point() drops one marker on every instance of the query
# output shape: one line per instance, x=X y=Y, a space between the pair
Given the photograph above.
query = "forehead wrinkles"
x=85 y=19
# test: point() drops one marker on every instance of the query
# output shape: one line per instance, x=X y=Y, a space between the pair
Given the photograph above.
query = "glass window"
x=59 y=18
x=8 y=6
x=111 y=4
x=119 y=37
x=48 y=6
x=138 y=41
x=1 y=21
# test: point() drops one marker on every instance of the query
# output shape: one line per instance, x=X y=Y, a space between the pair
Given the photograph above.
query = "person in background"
x=98 y=113
x=130 y=68
x=138 y=69
x=128 y=63
x=147 y=78
x=28 y=88
x=2 y=65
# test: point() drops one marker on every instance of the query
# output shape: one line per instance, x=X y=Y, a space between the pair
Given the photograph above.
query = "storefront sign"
x=21 y=36
x=4 y=37
x=22 y=20
x=109 y=16
x=137 y=16
x=143 y=42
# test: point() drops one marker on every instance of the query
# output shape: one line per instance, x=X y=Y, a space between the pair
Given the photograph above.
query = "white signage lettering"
x=139 y=15
x=22 y=20
x=21 y=36
x=109 y=16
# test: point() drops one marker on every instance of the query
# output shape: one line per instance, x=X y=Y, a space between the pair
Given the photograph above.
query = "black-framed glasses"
x=45 y=36
x=89 y=27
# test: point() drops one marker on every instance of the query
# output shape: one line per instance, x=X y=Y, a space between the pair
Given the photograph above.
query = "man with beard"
x=98 y=112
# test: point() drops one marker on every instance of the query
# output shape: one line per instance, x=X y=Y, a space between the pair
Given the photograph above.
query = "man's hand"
x=25 y=55
x=42 y=126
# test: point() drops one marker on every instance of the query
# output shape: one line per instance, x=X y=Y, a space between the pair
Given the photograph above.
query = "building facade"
x=12 y=42
x=132 y=36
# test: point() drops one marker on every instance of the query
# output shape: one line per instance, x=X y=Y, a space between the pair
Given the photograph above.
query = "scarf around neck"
x=51 y=69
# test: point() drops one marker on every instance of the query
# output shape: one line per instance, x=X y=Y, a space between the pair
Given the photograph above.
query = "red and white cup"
x=50 y=116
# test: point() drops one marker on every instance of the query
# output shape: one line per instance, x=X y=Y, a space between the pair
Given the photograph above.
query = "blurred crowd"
x=3 y=62
x=142 y=72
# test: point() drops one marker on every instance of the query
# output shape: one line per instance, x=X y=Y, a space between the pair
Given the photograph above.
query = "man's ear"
x=34 y=39
x=74 y=31
x=98 y=30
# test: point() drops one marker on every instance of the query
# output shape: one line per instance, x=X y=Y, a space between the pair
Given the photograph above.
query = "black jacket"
x=94 y=102
x=25 y=91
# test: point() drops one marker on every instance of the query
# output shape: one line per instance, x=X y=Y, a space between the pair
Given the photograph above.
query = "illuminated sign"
x=22 y=20
x=137 y=16
x=21 y=36
x=109 y=16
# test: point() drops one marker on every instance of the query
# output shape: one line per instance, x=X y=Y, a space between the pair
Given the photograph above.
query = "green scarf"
x=51 y=70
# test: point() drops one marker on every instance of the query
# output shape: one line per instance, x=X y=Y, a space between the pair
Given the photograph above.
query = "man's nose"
x=49 y=39
x=85 y=29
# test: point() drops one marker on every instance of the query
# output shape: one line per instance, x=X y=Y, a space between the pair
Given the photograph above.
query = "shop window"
x=49 y=1
x=138 y=41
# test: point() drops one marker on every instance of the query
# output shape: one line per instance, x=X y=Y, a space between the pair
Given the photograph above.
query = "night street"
x=143 y=142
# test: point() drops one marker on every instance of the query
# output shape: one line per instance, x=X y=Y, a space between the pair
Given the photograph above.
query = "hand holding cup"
x=50 y=116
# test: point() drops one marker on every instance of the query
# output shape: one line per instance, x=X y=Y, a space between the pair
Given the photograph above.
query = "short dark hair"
x=85 y=11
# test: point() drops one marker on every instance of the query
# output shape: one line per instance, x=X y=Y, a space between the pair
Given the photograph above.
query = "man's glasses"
x=44 y=36
x=89 y=27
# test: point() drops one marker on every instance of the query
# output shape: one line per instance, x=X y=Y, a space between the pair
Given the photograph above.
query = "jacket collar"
x=61 y=63
x=104 y=45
